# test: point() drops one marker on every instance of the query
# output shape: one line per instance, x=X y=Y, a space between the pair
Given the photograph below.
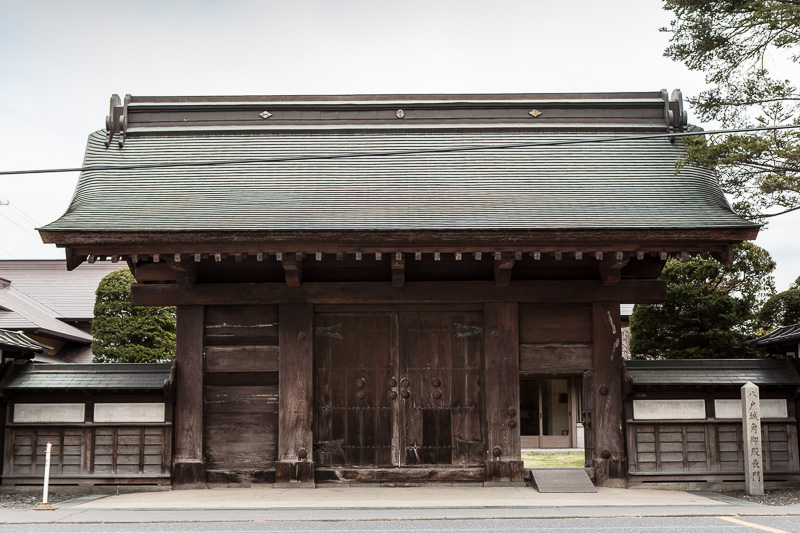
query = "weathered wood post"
x=609 y=463
x=751 y=437
x=501 y=351
x=295 y=466
x=189 y=468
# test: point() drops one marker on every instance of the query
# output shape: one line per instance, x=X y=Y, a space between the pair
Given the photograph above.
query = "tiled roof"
x=714 y=372
x=68 y=294
x=553 y=187
x=18 y=341
x=416 y=174
x=782 y=335
x=89 y=376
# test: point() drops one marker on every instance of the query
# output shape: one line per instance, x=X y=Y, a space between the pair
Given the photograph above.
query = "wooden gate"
x=398 y=389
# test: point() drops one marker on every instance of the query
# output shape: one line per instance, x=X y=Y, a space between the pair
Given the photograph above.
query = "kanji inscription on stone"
x=751 y=435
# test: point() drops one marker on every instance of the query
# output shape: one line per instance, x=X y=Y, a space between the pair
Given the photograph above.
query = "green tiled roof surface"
x=89 y=376
x=626 y=184
x=714 y=372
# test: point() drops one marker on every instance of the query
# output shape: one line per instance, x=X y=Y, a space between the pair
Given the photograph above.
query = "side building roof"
x=117 y=376
x=699 y=372
x=70 y=295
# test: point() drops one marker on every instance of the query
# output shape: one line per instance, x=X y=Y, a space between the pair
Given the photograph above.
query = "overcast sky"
x=61 y=61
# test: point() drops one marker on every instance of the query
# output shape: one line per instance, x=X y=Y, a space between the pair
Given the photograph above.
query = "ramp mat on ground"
x=562 y=480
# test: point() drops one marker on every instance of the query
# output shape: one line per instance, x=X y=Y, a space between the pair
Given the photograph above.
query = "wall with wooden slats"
x=240 y=427
x=555 y=339
x=708 y=450
x=87 y=455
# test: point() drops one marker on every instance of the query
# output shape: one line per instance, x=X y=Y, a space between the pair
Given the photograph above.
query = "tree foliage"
x=783 y=309
x=710 y=309
x=735 y=43
x=124 y=333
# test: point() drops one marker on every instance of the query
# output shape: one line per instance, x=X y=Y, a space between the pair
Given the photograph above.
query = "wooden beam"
x=502 y=269
x=609 y=439
x=154 y=272
x=368 y=241
x=185 y=271
x=189 y=464
x=398 y=270
x=628 y=291
x=611 y=267
x=74 y=260
x=501 y=376
x=295 y=395
x=293 y=268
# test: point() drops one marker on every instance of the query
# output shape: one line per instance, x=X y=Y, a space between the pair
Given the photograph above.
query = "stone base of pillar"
x=189 y=475
x=505 y=473
x=294 y=474
x=610 y=472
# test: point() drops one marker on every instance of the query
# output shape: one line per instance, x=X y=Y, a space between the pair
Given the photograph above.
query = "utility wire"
x=391 y=153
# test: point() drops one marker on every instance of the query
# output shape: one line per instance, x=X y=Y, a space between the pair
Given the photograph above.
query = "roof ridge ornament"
x=265 y=114
x=535 y=113
x=111 y=118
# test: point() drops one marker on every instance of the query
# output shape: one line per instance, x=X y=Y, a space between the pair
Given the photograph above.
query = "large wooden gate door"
x=354 y=410
x=440 y=388
x=398 y=389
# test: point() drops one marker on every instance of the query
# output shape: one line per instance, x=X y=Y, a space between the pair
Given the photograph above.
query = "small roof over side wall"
x=697 y=372
x=117 y=376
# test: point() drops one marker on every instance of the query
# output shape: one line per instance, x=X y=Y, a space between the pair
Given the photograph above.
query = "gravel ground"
x=770 y=497
x=28 y=500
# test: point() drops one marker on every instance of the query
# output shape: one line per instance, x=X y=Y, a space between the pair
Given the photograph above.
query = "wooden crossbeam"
x=581 y=291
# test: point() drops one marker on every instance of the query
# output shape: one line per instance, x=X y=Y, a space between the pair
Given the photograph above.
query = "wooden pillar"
x=501 y=354
x=295 y=466
x=189 y=468
x=609 y=462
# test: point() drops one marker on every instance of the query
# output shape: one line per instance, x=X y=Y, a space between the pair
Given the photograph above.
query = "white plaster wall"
x=669 y=409
x=579 y=439
x=733 y=409
x=49 y=412
x=129 y=412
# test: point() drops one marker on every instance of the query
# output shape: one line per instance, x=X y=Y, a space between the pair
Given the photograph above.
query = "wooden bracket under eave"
x=398 y=270
x=293 y=268
x=611 y=267
x=73 y=260
x=502 y=269
x=725 y=257
x=185 y=271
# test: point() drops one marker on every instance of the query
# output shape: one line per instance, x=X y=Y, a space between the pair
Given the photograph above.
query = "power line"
x=390 y=153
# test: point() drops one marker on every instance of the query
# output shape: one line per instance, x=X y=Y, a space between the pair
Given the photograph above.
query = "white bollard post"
x=44 y=506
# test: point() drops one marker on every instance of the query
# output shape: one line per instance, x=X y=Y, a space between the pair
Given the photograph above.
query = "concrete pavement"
x=386 y=503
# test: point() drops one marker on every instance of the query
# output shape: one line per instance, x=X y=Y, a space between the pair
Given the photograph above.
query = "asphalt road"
x=749 y=524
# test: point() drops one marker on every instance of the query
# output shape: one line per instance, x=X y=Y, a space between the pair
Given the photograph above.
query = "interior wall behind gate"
x=240 y=412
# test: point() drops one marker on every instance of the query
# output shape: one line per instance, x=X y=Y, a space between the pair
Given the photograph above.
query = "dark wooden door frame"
x=405 y=389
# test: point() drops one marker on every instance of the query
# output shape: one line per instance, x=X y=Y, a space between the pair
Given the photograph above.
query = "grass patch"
x=553 y=460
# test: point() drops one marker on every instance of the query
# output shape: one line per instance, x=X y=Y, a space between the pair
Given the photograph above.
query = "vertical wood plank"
x=295 y=395
x=609 y=439
x=501 y=356
x=189 y=466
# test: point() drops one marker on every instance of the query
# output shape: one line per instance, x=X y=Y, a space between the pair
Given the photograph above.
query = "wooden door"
x=395 y=389
x=440 y=388
x=353 y=361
